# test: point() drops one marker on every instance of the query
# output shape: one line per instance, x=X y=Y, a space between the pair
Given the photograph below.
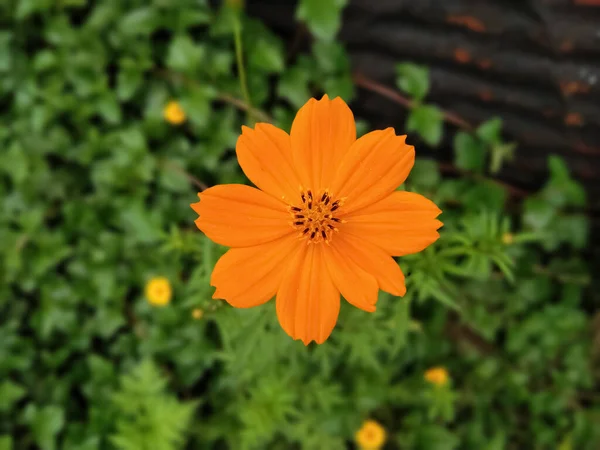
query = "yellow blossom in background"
x=508 y=238
x=158 y=291
x=371 y=436
x=197 y=313
x=437 y=375
x=174 y=113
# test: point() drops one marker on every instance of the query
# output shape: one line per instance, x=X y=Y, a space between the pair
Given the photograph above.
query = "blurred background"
x=115 y=113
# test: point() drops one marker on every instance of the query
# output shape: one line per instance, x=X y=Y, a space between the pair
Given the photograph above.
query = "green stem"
x=237 y=35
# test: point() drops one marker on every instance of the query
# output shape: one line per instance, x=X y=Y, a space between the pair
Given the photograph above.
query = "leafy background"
x=95 y=188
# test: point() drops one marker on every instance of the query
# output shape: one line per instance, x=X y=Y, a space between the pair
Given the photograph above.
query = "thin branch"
x=240 y=104
x=176 y=168
x=512 y=190
x=374 y=86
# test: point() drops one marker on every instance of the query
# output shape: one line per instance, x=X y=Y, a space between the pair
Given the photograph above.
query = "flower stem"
x=237 y=36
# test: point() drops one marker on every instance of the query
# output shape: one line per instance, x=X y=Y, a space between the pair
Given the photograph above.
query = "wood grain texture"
x=535 y=63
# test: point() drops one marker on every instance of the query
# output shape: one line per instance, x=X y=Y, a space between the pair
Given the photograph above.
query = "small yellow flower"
x=371 y=436
x=197 y=313
x=174 y=113
x=508 y=238
x=158 y=291
x=437 y=375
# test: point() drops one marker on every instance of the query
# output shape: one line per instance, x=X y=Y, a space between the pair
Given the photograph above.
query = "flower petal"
x=401 y=223
x=241 y=216
x=265 y=155
x=373 y=260
x=251 y=276
x=374 y=167
x=322 y=133
x=358 y=287
x=308 y=302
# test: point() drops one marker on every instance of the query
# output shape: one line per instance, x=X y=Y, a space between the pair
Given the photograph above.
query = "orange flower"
x=326 y=219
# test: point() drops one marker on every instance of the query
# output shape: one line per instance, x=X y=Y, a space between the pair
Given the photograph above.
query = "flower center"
x=315 y=218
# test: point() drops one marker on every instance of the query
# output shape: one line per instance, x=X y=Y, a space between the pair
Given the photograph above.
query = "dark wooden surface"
x=535 y=63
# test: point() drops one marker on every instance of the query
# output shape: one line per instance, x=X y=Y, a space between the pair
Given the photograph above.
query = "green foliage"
x=146 y=417
x=471 y=147
x=428 y=122
x=95 y=188
x=413 y=79
x=323 y=17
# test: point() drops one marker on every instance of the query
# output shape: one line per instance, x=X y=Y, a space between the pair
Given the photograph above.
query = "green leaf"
x=342 y=86
x=413 y=79
x=108 y=107
x=559 y=172
x=331 y=57
x=469 y=152
x=25 y=8
x=5 y=51
x=538 y=213
x=500 y=153
x=573 y=229
x=142 y=21
x=44 y=60
x=45 y=423
x=184 y=54
x=432 y=437
x=425 y=174
x=489 y=132
x=129 y=79
x=323 y=17
x=427 y=120
x=267 y=55
x=293 y=86
x=10 y=393
x=6 y=442
x=197 y=105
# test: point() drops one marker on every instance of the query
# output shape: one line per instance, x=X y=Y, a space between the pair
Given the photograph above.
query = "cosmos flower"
x=325 y=220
